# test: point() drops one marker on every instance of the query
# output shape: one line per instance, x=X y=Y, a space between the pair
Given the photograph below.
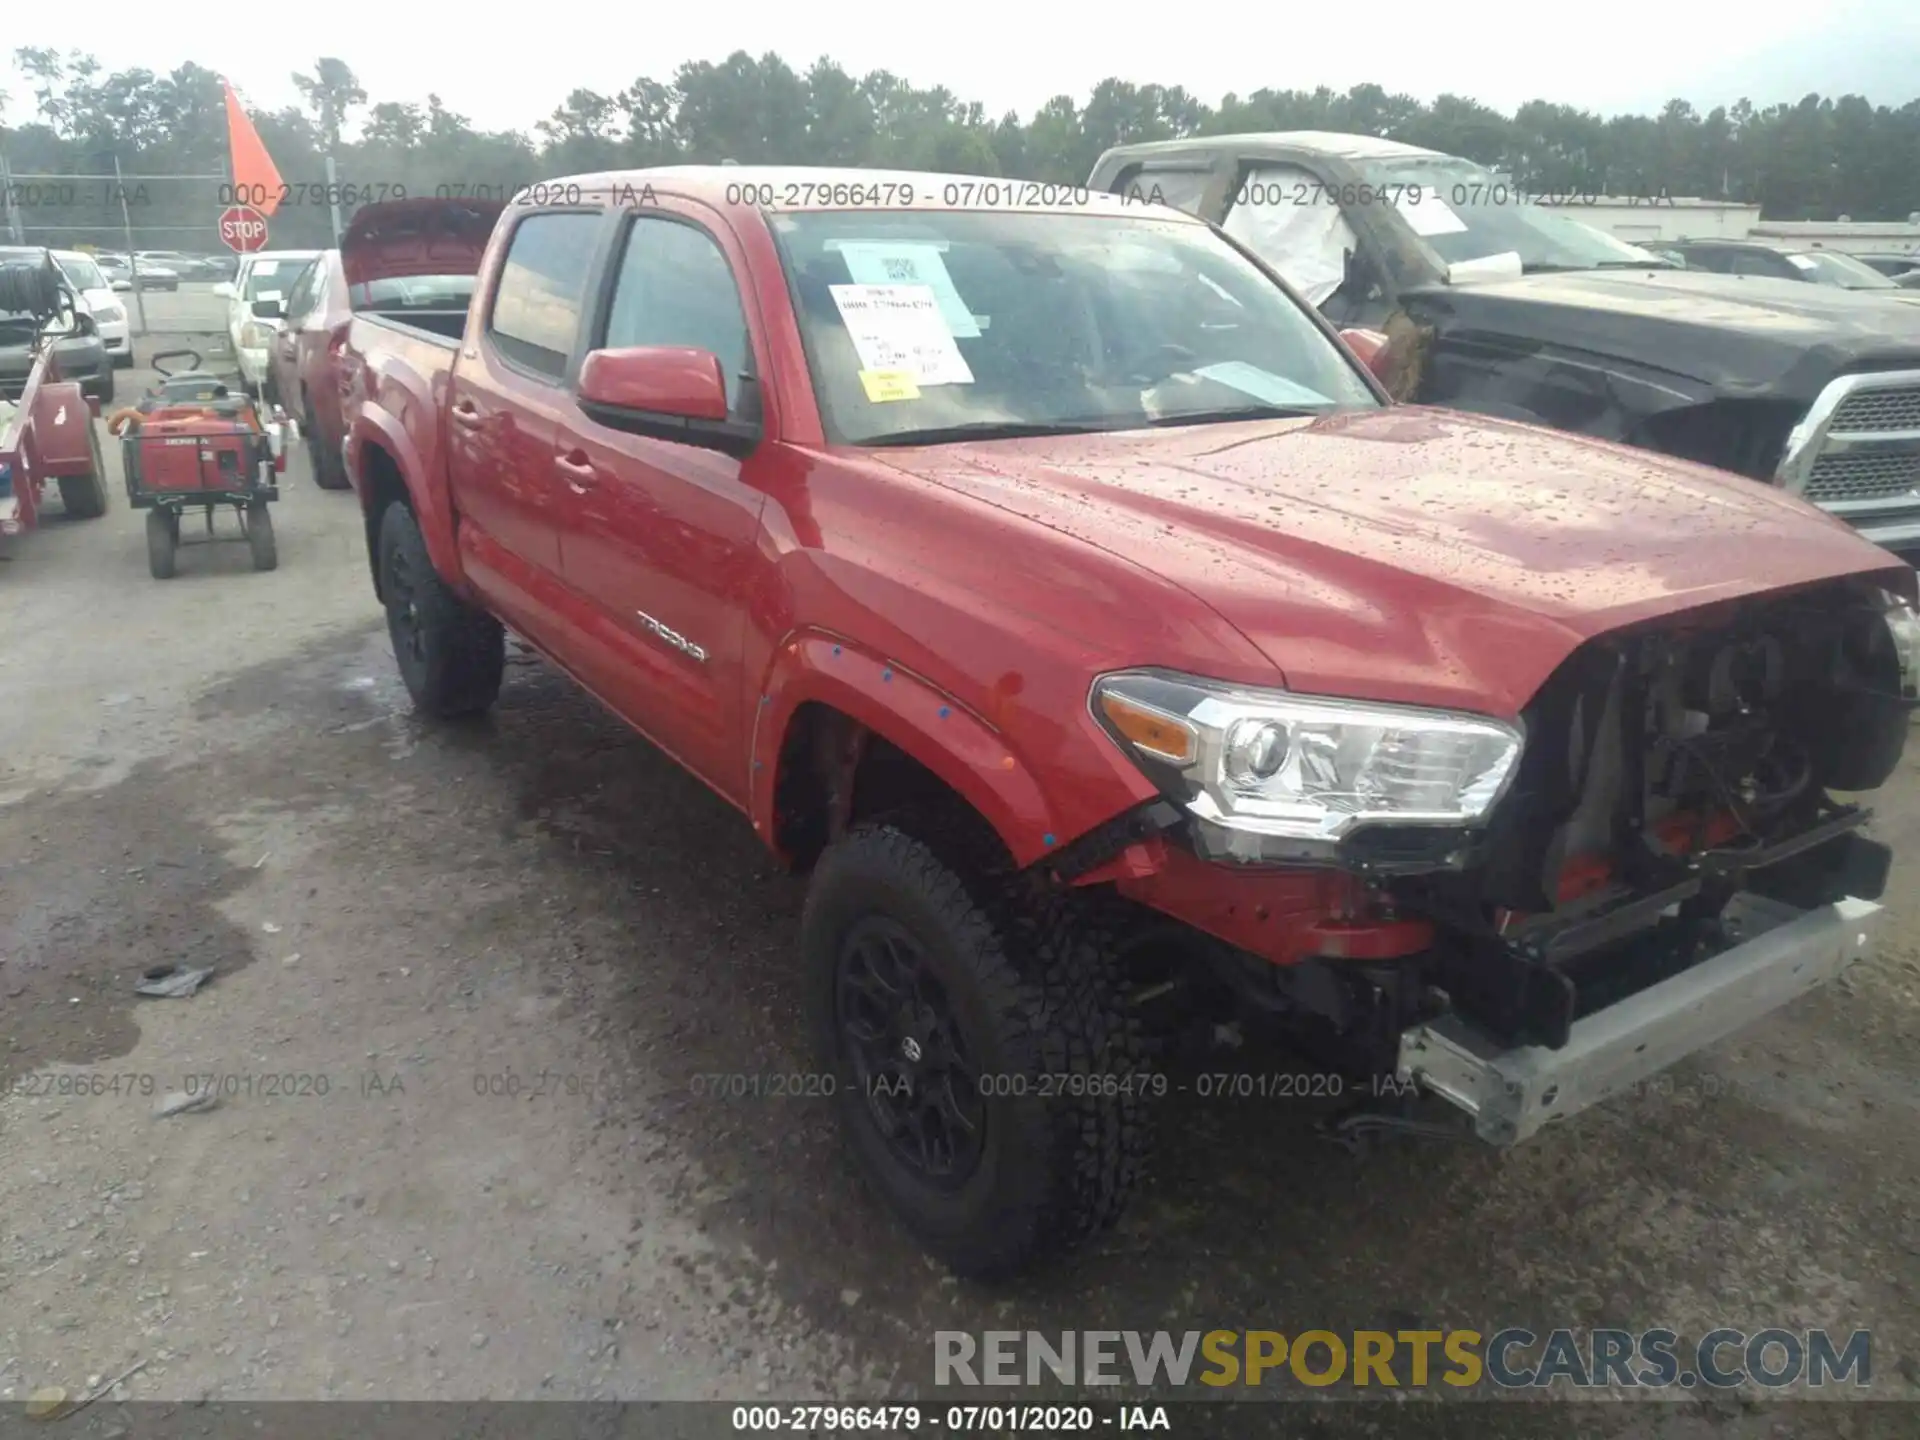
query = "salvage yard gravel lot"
x=468 y=981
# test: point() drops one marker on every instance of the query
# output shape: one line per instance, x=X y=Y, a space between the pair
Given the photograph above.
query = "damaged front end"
x=1664 y=852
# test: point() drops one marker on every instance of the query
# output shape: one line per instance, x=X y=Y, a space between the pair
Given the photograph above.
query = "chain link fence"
x=174 y=220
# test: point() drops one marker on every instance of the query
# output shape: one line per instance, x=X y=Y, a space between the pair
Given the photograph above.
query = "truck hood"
x=426 y=236
x=1410 y=554
x=1739 y=335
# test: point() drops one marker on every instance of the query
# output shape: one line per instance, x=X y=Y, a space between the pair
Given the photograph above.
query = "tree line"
x=1815 y=158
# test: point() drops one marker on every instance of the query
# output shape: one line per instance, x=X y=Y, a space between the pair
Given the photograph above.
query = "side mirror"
x=224 y=290
x=269 y=309
x=666 y=392
x=1370 y=348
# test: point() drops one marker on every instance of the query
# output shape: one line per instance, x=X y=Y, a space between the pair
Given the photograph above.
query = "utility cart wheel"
x=163 y=539
x=989 y=1079
x=260 y=536
x=85 y=496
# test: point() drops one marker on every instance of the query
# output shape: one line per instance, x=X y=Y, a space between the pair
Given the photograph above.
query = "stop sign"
x=243 y=229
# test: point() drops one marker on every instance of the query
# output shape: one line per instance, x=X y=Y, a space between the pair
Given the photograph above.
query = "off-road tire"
x=163 y=543
x=328 y=465
x=85 y=496
x=266 y=553
x=1038 y=999
x=461 y=653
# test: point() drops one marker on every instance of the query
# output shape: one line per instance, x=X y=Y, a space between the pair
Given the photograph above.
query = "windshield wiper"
x=1237 y=412
x=1655 y=263
x=984 y=430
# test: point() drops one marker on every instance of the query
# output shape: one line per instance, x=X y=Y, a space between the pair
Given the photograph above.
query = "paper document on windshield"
x=1426 y=212
x=899 y=328
x=903 y=262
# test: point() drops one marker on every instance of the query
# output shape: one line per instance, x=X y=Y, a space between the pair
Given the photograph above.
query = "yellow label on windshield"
x=884 y=385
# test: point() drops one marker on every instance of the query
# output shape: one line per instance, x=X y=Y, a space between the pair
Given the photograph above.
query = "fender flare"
x=373 y=426
x=64 y=447
x=907 y=711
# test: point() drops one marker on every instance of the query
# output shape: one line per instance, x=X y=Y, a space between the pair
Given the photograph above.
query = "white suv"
x=95 y=291
x=264 y=275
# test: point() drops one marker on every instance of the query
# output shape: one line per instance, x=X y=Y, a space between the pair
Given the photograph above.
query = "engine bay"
x=1667 y=770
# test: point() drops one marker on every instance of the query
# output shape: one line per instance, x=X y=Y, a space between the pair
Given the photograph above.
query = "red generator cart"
x=192 y=444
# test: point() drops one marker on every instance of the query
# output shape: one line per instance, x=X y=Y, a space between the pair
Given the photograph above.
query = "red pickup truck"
x=1046 y=577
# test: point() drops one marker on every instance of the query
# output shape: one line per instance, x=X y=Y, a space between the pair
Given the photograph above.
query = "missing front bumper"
x=1511 y=1094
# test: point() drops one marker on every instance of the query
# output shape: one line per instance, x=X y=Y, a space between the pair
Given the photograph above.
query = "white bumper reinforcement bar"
x=1511 y=1094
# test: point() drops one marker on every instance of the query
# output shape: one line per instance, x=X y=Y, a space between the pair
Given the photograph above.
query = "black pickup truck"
x=1494 y=304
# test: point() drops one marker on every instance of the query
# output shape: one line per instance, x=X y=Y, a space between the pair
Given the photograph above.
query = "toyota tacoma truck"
x=1498 y=305
x=1063 y=594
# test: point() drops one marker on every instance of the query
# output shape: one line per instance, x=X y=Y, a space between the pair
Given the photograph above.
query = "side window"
x=676 y=288
x=300 y=302
x=1283 y=214
x=1182 y=189
x=540 y=297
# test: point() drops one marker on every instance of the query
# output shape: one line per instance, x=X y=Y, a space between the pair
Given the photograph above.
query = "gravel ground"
x=465 y=981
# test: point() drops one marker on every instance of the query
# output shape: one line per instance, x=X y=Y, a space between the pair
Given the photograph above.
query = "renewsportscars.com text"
x=1510 y=1358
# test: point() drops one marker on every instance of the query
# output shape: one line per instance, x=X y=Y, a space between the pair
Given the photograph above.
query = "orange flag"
x=255 y=180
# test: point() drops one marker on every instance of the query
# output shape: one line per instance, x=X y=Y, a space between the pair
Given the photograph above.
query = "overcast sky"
x=1014 y=54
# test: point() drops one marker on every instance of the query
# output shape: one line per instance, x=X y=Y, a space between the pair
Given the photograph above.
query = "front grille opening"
x=1872 y=410
x=1864 y=476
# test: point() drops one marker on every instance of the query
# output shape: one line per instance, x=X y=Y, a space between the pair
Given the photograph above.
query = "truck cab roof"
x=1324 y=142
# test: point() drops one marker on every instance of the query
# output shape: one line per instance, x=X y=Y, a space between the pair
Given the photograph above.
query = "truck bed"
x=440 y=327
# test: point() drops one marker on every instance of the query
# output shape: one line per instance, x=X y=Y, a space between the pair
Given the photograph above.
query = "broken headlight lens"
x=1303 y=770
x=1904 y=625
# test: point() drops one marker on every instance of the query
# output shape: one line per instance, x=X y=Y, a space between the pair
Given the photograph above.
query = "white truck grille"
x=1857 y=453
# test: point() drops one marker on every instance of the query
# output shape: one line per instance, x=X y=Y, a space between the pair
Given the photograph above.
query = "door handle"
x=579 y=471
x=466 y=415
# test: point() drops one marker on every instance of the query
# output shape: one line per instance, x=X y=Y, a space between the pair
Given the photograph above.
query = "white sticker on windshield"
x=900 y=328
x=1425 y=211
x=905 y=262
x=1800 y=261
x=1261 y=384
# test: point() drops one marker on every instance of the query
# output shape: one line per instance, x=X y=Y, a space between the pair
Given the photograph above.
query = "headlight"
x=1272 y=775
x=112 y=314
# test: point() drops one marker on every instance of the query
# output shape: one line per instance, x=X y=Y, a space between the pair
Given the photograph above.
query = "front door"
x=661 y=534
x=660 y=541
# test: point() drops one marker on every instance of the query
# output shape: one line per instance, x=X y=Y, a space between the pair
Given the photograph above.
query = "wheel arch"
x=385 y=468
x=831 y=720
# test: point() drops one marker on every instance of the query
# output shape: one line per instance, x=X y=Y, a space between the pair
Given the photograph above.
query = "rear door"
x=661 y=535
x=284 y=361
x=503 y=402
